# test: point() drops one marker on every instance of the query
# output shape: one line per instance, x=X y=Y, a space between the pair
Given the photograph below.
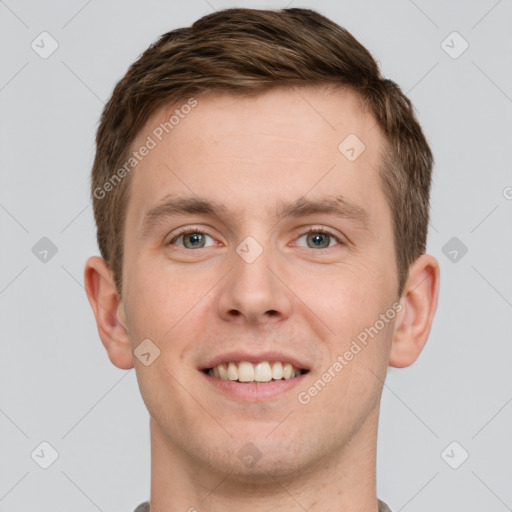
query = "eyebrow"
x=189 y=205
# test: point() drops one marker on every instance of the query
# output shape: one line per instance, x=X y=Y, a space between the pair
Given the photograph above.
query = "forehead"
x=253 y=151
x=317 y=116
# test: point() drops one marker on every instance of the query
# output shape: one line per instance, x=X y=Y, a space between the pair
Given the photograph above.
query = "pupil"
x=319 y=239
x=194 y=240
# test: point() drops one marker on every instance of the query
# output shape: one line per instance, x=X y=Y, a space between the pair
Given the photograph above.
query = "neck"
x=343 y=480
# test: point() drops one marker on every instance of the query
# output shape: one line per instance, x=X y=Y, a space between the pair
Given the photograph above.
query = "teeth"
x=245 y=372
x=223 y=372
x=261 y=372
x=277 y=371
x=288 y=371
x=232 y=371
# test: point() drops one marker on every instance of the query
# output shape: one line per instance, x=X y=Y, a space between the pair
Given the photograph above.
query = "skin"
x=251 y=154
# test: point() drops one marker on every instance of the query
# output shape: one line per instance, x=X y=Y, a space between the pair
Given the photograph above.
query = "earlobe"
x=419 y=301
x=108 y=311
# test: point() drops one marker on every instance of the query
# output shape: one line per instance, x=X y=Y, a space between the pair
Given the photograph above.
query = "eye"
x=192 y=239
x=318 y=239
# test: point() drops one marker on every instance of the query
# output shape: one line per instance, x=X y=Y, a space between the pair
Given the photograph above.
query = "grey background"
x=57 y=384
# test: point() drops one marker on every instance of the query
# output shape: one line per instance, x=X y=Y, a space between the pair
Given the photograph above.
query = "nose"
x=254 y=291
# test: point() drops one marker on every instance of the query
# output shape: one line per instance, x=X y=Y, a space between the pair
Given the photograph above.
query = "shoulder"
x=382 y=507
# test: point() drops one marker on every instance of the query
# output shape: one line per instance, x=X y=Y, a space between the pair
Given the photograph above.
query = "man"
x=261 y=196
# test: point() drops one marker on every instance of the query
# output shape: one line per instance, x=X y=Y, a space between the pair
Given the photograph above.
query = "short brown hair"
x=249 y=51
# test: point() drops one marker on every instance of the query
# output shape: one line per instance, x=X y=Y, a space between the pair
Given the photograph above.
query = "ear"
x=419 y=301
x=109 y=312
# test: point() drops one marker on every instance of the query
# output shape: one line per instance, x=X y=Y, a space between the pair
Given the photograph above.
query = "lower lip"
x=253 y=391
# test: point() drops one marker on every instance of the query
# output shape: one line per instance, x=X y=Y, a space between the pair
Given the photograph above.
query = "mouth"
x=262 y=372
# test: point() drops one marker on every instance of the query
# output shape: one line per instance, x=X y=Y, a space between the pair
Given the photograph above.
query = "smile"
x=262 y=372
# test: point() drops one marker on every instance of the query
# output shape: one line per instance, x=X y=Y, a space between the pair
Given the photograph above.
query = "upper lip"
x=254 y=358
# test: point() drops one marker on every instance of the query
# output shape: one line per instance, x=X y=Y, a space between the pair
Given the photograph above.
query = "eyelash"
x=187 y=231
x=312 y=230
x=323 y=231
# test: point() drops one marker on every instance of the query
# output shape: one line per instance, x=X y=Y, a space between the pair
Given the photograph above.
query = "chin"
x=260 y=459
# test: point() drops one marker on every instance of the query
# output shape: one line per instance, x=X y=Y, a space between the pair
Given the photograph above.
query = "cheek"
x=164 y=397
x=160 y=297
x=356 y=305
x=351 y=296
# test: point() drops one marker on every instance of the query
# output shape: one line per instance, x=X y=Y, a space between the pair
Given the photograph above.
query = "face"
x=252 y=243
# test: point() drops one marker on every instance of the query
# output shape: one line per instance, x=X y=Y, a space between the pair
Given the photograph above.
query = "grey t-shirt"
x=144 y=507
